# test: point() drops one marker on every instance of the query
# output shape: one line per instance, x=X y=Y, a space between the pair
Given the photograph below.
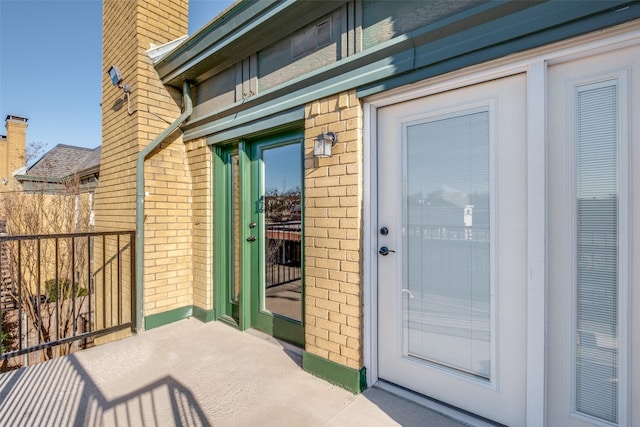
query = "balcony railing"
x=61 y=291
x=283 y=252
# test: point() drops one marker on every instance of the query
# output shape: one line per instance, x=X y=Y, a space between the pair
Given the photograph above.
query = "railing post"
x=73 y=285
x=20 y=294
x=119 y=276
x=37 y=303
x=134 y=284
x=57 y=279
x=104 y=281
x=90 y=283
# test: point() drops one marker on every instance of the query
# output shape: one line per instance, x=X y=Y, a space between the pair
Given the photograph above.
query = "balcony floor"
x=193 y=374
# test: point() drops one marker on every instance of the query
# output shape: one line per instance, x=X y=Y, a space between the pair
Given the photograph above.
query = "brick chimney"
x=129 y=29
x=12 y=149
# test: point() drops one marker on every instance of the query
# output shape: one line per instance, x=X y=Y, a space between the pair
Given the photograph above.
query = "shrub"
x=64 y=285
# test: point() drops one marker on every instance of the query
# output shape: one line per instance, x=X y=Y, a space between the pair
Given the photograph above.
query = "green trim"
x=278 y=326
x=350 y=379
x=237 y=35
x=223 y=236
x=489 y=42
x=203 y=315
x=421 y=54
x=219 y=237
x=281 y=122
x=245 y=232
x=161 y=319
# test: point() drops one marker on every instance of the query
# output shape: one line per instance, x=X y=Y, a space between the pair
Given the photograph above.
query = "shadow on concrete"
x=60 y=392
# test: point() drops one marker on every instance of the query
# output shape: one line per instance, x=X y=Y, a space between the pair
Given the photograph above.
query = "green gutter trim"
x=186 y=90
x=354 y=380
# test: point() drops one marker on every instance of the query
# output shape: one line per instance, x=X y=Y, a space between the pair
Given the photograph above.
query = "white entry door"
x=452 y=221
x=593 y=352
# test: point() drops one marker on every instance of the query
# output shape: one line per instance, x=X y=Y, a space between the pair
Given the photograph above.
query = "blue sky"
x=51 y=65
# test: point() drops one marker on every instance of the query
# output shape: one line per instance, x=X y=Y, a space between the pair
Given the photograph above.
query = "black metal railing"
x=283 y=252
x=61 y=291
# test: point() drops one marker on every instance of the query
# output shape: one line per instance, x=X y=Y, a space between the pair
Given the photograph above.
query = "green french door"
x=259 y=219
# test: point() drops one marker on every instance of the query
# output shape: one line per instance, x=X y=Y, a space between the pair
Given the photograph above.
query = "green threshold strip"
x=161 y=319
x=354 y=380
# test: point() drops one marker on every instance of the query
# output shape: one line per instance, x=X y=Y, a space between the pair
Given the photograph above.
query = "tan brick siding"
x=200 y=159
x=12 y=153
x=333 y=232
x=177 y=179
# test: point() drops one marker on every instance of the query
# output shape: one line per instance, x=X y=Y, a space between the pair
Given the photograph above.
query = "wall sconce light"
x=116 y=79
x=114 y=74
x=323 y=143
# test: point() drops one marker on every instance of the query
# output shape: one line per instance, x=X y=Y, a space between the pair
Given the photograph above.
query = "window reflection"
x=282 y=206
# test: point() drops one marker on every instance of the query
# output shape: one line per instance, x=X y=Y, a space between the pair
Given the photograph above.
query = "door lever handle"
x=408 y=292
x=384 y=251
x=251 y=238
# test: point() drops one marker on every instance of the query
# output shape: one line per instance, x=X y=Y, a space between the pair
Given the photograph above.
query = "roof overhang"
x=241 y=30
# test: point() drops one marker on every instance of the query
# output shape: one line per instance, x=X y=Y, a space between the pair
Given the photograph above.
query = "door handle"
x=251 y=238
x=384 y=251
x=407 y=291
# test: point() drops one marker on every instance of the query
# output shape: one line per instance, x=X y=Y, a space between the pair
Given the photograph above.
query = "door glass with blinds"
x=447 y=270
x=596 y=312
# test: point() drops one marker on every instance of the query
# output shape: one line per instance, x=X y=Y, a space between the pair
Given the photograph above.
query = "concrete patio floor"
x=194 y=374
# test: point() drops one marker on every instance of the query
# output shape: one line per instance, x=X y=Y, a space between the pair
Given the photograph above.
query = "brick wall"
x=175 y=210
x=199 y=162
x=333 y=232
x=12 y=151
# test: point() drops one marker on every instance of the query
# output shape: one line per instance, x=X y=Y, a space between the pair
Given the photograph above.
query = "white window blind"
x=596 y=364
x=447 y=242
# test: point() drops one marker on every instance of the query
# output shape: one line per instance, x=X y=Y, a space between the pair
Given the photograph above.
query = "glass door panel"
x=447 y=315
x=451 y=277
x=236 y=235
x=259 y=235
x=276 y=212
x=282 y=254
x=229 y=233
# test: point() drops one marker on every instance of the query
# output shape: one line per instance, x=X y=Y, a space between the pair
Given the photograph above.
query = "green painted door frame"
x=248 y=311
x=226 y=159
x=262 y=319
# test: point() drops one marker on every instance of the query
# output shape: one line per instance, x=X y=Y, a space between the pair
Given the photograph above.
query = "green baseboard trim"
x=354 y=380
x=203 y=315
x=161 y=319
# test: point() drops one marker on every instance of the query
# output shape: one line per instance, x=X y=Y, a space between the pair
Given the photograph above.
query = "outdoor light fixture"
x=323 y=143
x=116 y=79
x=114 y=74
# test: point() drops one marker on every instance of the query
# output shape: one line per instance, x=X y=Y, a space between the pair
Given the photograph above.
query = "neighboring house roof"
x=65 y=160
x=58 y=165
